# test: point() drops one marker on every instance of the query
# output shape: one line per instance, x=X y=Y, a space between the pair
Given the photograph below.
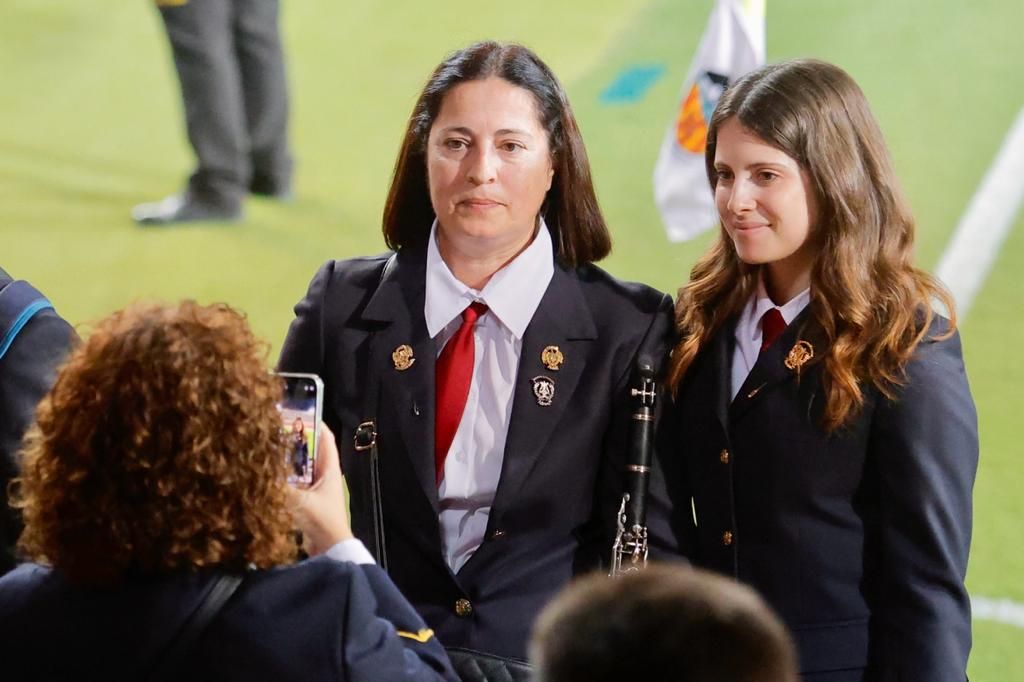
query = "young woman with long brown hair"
x=828 y=435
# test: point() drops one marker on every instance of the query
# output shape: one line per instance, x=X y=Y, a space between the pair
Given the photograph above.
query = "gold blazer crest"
x=552 y=358
x=402 y=357
x=801 y=352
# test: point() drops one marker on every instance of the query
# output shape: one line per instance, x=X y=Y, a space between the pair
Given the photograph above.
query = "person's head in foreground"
x=668 y=623
x=158 y=450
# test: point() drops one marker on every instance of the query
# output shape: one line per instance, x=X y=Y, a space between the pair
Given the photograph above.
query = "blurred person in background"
x=231 y=69
x=827 y=437
x=34 y=340
x=662 y=624
x=156 y=508
x=492 y=355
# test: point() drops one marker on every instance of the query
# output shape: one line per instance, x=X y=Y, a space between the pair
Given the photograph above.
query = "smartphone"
x=301 y=408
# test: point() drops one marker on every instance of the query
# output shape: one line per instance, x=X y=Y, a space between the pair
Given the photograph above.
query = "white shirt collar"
x=748 y=330
x=512 y=294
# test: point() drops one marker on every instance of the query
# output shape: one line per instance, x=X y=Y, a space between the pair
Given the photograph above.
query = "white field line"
x=1003 y=611
x=965 y=265
x=986 y=222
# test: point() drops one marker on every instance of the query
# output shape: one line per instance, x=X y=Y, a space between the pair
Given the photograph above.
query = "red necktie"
x=453 y=376
x=772 y=326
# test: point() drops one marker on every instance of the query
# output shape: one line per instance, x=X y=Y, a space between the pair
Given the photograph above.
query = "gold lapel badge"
x=799 y=354
x=402 y=357
x=543 y=390
x=552 y=357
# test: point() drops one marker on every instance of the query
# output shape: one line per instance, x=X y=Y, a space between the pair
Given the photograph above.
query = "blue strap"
x=19 y=301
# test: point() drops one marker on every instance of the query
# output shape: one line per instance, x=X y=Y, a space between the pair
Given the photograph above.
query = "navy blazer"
x=26 y=373
x=859 y=538
x=317 y=620
x=561 y=477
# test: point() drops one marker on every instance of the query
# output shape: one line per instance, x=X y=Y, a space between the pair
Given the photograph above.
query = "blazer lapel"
x=562 y=319
x=770 y=369
x=398 y=302
x=722 y=349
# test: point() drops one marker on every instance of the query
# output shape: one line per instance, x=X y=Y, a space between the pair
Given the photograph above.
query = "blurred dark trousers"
x=231 y=68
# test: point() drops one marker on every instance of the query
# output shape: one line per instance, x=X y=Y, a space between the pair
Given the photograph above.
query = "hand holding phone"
x=321 y=511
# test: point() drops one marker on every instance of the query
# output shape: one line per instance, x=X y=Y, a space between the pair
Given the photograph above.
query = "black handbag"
x=477 y=666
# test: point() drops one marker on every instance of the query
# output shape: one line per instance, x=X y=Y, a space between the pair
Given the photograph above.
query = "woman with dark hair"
x=492 y=356
x=828 y=433
x=154 y=499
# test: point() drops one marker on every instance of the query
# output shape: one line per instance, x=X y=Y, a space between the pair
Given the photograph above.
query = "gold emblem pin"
x=402 y=357
x=799 y=354
x=552 y=358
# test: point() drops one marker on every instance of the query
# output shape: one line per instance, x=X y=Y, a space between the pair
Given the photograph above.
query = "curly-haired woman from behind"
x=828 y=435
x=157 y=467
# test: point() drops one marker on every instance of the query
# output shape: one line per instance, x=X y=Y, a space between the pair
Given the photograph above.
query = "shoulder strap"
x=19 y=301
x=365 y=440
x=179 y=650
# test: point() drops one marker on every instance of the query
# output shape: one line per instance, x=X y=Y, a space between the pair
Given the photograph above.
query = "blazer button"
x=498 y=533
x=727 y=538
x=723 y=456
x=463 y=608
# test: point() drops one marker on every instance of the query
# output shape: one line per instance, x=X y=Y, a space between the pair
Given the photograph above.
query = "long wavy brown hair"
x=158 y=449
x=871 y=303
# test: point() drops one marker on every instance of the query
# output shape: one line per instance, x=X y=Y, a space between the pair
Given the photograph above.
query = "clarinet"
x=629 y=553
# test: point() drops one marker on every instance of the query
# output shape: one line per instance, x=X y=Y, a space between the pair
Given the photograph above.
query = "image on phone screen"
x=300 y=420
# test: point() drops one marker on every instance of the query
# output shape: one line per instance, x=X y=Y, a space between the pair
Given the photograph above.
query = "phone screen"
x=301 y=406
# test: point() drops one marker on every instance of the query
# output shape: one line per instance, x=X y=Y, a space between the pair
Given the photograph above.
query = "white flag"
x=733 y=44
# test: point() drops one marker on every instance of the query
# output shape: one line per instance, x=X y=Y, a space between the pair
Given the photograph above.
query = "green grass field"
x=91 y=124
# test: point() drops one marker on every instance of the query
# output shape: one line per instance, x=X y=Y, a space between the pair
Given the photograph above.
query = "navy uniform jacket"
x=317 y=620
x=560 y=482
x=26 y=373
x=858 y=539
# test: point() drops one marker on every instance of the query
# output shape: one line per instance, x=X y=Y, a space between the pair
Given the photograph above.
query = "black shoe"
x=181 y=208
x=263 y=186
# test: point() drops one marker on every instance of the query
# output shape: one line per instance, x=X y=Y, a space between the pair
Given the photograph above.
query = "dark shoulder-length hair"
x=158 y=449
x=872 y=304
x=571 y=211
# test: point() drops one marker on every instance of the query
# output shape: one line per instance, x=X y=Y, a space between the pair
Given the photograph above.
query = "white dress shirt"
x=748 y=330
x=350 y=550
x=473 y=464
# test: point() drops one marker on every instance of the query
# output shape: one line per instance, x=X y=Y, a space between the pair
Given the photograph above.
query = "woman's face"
x=766 y=204
x=489 y=167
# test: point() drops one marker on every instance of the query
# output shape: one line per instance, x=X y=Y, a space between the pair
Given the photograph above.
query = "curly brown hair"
x=158 y=449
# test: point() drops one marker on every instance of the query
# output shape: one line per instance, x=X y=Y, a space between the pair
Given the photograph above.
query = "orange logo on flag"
x=691 y=128
x=696 y=111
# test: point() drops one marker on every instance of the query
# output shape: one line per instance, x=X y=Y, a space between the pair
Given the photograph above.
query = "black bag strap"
x=19 y=301
x=179 y=650
x=365 y=441
x=477 y=666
